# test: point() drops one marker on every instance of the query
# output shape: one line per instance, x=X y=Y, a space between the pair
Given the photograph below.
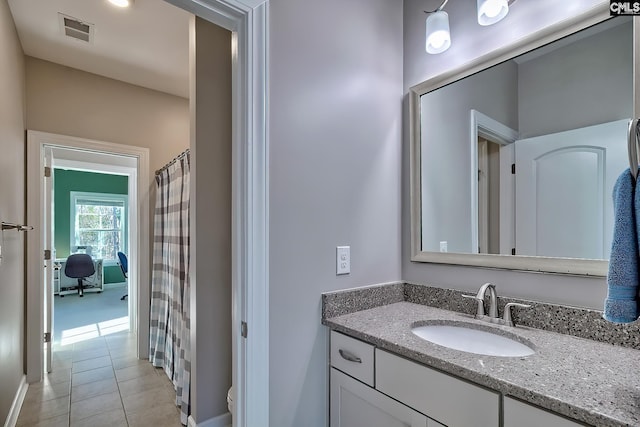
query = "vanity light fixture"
x=121 y=3
x=438 y=36
x=492 y=11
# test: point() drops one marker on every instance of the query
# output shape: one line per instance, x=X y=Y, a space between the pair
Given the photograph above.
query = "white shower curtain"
x=169 y=335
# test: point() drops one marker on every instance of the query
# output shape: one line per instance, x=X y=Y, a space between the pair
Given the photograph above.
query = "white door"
x=48 y=263
x=354 y=404
x=564 y=183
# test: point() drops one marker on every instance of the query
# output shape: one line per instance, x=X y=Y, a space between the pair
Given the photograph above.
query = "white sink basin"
x=464 y=338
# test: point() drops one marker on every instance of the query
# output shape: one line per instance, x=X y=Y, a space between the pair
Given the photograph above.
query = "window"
x=99 y=220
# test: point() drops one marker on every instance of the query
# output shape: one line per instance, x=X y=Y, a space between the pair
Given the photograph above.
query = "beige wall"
x=211 y=217
x=67 y=101
x=71 y=102
x=335 y=97
x=12 y=209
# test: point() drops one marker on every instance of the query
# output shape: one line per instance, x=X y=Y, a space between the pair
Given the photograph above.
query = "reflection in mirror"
x=521 y=158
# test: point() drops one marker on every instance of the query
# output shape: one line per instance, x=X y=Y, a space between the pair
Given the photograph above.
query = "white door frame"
x=36 y=142
x=247 y=20
x=493 y=130
x=99 y=163
x=89 y=161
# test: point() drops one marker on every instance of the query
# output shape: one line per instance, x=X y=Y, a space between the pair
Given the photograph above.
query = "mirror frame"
x=574 y=266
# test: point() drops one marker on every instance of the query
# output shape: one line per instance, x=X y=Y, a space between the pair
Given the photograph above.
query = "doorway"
x=48 y=150
x=492 y=185
x=91 y=196
x=488 y=196
x=248 y=22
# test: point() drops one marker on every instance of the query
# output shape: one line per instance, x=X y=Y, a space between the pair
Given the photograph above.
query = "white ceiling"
x=146 y=44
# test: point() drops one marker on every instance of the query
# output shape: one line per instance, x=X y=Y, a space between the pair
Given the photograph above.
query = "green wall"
x=66 y=181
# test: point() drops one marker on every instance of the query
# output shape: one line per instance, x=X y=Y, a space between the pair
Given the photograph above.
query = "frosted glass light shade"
x=492 y=11
x=438 y=38
x=121 y=3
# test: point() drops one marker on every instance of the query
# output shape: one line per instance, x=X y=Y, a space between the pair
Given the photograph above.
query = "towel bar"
x=11 y=226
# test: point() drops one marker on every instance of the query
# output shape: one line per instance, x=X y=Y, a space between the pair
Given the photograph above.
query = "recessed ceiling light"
x=121 y=3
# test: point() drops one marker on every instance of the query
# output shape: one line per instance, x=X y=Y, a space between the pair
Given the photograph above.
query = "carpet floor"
x=96 y=314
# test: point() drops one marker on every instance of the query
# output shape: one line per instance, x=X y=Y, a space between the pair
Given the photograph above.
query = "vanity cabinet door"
x=520 y=414
x=354 y=404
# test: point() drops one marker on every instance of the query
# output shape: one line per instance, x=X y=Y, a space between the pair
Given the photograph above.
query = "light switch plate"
x=343 y=260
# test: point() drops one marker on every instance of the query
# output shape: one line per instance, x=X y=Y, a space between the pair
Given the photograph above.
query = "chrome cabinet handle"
x=347 y=355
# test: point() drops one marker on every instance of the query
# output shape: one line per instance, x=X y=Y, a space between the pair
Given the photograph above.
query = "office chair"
x=124 y=266
x=82 y=249
x=79 y=266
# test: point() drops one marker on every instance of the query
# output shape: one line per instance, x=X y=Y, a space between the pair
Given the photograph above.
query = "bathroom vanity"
x=402 y=385
x=500 y=133
x=382 y=374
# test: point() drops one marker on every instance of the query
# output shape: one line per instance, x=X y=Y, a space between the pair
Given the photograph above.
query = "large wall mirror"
x=514 y=159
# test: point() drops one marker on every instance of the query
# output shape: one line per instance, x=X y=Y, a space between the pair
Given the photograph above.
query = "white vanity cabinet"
x=520 y=414
x=371 y=387
x=354 y=401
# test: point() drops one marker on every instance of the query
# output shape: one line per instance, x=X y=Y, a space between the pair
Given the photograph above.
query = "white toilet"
x=230 y=401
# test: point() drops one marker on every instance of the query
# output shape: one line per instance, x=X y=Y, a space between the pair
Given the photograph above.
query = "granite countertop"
x=589 y=381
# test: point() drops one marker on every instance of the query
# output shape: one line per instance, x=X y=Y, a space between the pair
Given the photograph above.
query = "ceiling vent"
x=75 y=28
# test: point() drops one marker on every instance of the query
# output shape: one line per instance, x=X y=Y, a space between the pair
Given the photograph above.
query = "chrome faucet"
x=492 y=316
x=493 y=301
x=506 y=316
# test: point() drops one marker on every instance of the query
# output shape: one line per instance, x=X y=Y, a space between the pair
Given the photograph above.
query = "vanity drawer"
x=435 y=394
x=352 y=357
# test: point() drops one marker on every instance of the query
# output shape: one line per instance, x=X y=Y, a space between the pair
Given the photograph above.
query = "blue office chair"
x=79 y=266
x=124 y=266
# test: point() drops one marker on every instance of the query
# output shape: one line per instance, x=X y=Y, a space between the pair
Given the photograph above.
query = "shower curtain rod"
x=175 y=159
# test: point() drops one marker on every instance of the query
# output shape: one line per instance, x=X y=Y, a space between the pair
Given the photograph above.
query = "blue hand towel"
x=621 y=305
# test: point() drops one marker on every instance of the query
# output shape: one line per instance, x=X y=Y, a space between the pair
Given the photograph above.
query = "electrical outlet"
x=443 y=246
x=343 y=260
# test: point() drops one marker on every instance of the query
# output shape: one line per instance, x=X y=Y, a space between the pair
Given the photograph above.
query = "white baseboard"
x=14 y=411
x=223 y=420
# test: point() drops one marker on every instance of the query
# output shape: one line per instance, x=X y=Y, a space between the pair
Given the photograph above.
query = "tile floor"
x=99 y=382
